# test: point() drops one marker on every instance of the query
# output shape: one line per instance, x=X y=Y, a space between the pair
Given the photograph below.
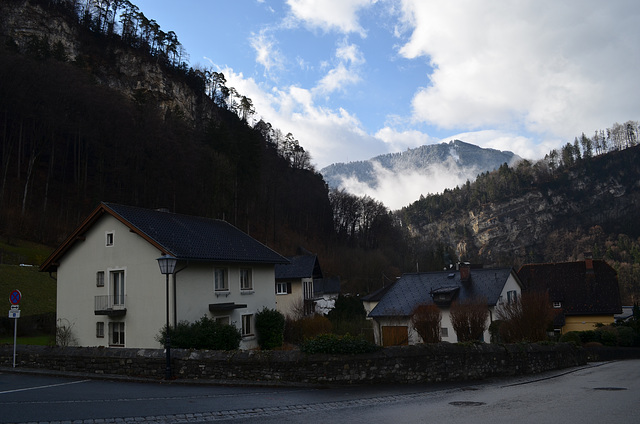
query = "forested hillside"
x=90 y=114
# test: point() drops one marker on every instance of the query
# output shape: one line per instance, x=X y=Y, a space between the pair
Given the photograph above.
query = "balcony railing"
x=113 y=305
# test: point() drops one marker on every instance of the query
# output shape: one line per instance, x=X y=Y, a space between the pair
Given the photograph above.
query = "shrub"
x=348 y=315
x=571 y=336
x=626 y=336
x=469 y=319
x=607 y=335
x=270 y=328
x=426 y=320
x=527 y=319
x=296 y=330
x=334 y=344
x=205 y=333
x=589 y=336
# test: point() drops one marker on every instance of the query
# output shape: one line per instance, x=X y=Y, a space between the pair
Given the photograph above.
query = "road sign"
x=15 y=297
x=14 y=313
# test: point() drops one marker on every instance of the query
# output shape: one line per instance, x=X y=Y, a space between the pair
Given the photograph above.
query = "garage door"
x=397 y=335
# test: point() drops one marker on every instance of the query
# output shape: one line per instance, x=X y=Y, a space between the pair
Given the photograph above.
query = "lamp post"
x=167 y=265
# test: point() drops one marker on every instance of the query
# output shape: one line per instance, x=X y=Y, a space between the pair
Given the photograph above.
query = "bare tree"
x=526 y=319
x=469 y=318
x=426 y=319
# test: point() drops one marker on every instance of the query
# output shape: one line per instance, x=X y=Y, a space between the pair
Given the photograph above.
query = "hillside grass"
x=16 y=252
x=37 y=288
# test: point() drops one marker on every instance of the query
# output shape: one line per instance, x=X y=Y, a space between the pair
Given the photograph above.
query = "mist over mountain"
x=397 y=179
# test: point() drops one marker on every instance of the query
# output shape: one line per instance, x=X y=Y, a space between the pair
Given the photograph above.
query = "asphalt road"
x=599 y=393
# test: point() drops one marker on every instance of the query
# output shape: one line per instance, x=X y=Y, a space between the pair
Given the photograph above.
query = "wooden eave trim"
x=52 y=262
x=77 y=235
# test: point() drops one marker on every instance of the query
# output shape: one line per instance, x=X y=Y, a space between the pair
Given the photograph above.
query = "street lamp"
x=167 y=265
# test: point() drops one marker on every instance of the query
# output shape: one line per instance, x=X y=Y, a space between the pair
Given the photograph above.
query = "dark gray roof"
x=329 y=285
x=302 y=266
x=378 y=294
x=195 y=238
x=414 y=289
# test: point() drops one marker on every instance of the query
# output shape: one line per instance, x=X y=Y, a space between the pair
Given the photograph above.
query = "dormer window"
x=109 y=239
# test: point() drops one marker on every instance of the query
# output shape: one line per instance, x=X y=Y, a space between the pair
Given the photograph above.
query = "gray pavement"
x=595 y=392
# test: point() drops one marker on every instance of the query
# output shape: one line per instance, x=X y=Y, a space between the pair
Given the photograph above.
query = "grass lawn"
x=46 y=340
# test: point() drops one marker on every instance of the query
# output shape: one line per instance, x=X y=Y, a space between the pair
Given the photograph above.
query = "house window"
x=109 y=239
x=283 y=288
x=246 y=325
x=116 y=334
x=512 y=296
x=100 y=330
x=557 y=305
x=100 y=279
x=308 y=290
x=220 y=277
x=117 y=287
x=444 y=332
x=222 y=320
x=246 y=282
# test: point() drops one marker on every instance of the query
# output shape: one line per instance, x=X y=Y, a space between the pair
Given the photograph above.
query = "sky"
x=353 y=79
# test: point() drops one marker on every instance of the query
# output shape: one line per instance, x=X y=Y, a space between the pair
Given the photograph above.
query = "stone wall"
x=408 y=364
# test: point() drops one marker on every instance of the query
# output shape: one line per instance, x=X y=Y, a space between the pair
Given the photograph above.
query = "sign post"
x=14 y=298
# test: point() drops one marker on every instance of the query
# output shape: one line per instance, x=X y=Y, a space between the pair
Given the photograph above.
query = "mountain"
x=531 y=213
x=463 y=159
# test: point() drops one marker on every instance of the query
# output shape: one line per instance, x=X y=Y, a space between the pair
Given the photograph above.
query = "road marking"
x=43 y=387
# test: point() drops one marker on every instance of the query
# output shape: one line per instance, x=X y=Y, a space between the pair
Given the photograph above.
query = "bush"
x=607 y=335
x=296 y=330
x=426 y=319
x=571 y=336
x=206 y=333
x=469 y=318
x=589 y=336
x=270 y=328
x=527 y=319
x=333 y=344
x=626 y=336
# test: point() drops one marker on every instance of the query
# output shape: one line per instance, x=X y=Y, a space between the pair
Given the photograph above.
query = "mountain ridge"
x=466 y=155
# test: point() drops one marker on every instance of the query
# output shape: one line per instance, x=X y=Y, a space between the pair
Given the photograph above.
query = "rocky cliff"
x=524 y=228
x=28 y=26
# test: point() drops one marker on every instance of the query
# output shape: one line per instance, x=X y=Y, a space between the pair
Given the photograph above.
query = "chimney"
x=465 y=272
x=588 y=262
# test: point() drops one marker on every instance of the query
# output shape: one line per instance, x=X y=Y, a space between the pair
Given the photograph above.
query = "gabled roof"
x=581 y=291
x=301 y=266
x=183 y=236
x=378 y=294
x=414 y=289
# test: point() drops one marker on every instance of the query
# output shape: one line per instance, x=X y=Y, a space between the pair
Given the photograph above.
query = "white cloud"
x=399 y=141
x=346 y=72
x=267 y=54
x=397 y=190
x=330 y=15
x=548 y=67
x=328 y=135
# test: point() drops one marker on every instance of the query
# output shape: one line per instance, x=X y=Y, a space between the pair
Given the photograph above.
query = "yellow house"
x=585 y=293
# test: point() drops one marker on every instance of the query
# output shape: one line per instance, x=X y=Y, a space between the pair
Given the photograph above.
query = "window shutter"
x=289 y=288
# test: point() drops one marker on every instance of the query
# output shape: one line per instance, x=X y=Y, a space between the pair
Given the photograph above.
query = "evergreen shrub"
x=270 y=328
x=205 y=333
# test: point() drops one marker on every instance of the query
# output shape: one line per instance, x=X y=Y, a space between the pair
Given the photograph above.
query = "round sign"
x=15 y=297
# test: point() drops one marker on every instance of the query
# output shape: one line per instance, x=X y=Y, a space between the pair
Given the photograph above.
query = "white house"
x=295 y=285
x=392 y=314
x=110 y=290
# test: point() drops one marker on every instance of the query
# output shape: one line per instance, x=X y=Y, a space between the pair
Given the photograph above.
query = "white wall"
x=144 y=285
x=195 y=291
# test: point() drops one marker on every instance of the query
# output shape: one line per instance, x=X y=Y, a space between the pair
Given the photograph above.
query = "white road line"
x=43 y=387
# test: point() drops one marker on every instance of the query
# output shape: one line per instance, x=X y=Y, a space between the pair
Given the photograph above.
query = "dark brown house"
x=585 y=293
